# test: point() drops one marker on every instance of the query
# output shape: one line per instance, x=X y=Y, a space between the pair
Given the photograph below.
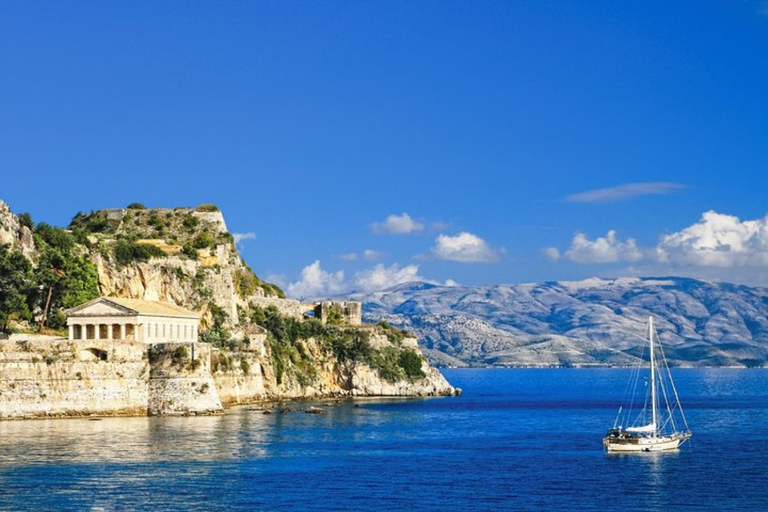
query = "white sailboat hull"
x=644 y=443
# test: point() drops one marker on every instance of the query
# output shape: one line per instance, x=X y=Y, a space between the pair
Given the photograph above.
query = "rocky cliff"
x=255 y=345
x=14 y=234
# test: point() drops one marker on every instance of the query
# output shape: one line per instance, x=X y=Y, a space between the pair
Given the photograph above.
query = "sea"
x=516 y=439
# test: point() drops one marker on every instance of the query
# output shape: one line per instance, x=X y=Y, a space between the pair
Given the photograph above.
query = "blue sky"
x=355 y=145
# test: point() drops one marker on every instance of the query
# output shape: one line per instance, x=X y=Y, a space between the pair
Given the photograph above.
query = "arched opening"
x=93 y=354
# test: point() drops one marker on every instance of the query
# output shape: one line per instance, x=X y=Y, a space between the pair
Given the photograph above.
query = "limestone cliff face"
x=187 y=257
x=249 y=376
x=14 y=234
x=195 y=264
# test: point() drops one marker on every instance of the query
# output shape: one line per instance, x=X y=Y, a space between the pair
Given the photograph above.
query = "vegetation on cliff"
x=63 y=271
x=286 y=341
x=15 y=287
x=60 y=277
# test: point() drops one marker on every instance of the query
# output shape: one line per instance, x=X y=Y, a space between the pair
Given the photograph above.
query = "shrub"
x=202 y=240
x=393 y=334
x=127 y=252
x=155 y=221
x=25 y=219
x=136 y=206
x=189 y=251
x=410 y=362
x=190 y=222
x=179 y=355
x=207 y=207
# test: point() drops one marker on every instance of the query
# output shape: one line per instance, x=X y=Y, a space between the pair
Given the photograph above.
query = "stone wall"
x=44 y=376
x=48 y=377
x=180 y=380
x=286 y=307
x=350 y=312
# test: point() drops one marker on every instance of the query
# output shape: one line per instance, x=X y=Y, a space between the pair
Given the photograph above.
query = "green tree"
x=65 y=276
x=15 y=286
x=25 y=219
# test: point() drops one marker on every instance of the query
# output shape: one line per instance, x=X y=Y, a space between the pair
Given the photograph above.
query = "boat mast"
x=653 y=377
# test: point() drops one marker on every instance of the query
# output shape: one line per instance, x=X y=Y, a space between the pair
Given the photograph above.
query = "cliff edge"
x=254 y=344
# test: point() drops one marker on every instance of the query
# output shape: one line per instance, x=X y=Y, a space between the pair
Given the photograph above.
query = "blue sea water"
x=517 y=439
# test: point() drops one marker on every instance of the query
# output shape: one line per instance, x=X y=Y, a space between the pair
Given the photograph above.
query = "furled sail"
x=645 y=428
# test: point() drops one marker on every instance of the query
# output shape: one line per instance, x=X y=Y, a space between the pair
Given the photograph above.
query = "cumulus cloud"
x=624 y=192
x=397 y=225
x=607 y=249
x=717 y=240
x=465 y=248
x=381 y=277
x=316 y=282
x=239 y=237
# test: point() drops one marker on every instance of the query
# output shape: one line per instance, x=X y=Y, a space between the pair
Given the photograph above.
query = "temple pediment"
x=101 y=307
x=110 y=306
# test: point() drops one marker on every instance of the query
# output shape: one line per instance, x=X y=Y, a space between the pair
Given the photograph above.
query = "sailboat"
x=660 y=424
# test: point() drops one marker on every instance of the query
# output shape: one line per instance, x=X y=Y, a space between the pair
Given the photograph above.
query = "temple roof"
x=104 y=306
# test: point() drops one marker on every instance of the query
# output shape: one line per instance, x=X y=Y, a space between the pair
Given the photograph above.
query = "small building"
x=109 y=318
x=342 y=312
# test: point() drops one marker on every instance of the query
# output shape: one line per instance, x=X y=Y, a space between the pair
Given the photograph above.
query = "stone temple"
x=132 y=320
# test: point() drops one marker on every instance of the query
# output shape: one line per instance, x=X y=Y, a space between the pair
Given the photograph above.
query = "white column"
x=110 y=333
x=83 y=331
x=71 y=332
x=96 y=333
x=122 y=331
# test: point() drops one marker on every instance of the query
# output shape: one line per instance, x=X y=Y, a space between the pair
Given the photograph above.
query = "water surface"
x=518 y=439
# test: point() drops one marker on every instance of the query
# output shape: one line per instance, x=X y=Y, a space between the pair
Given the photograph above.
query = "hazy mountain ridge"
x=595 y=321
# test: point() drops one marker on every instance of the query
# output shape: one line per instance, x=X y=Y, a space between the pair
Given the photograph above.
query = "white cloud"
x=608 y=249
x=552 y=253
x=381 y=277
x=316 y=282
x=397 y=225
x=367 y=255
x=464 y=247
x=622 y=192
x=239 y=237
x=451 y=283
x=717 y=240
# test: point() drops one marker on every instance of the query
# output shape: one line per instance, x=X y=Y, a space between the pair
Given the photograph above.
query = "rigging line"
x=663 y=384
x=674 y=390
x=634 y=380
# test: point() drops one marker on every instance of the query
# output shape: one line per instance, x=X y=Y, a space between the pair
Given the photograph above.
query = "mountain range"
x=580 y=323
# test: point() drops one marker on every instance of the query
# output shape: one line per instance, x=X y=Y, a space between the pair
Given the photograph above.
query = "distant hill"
x=590 y=322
